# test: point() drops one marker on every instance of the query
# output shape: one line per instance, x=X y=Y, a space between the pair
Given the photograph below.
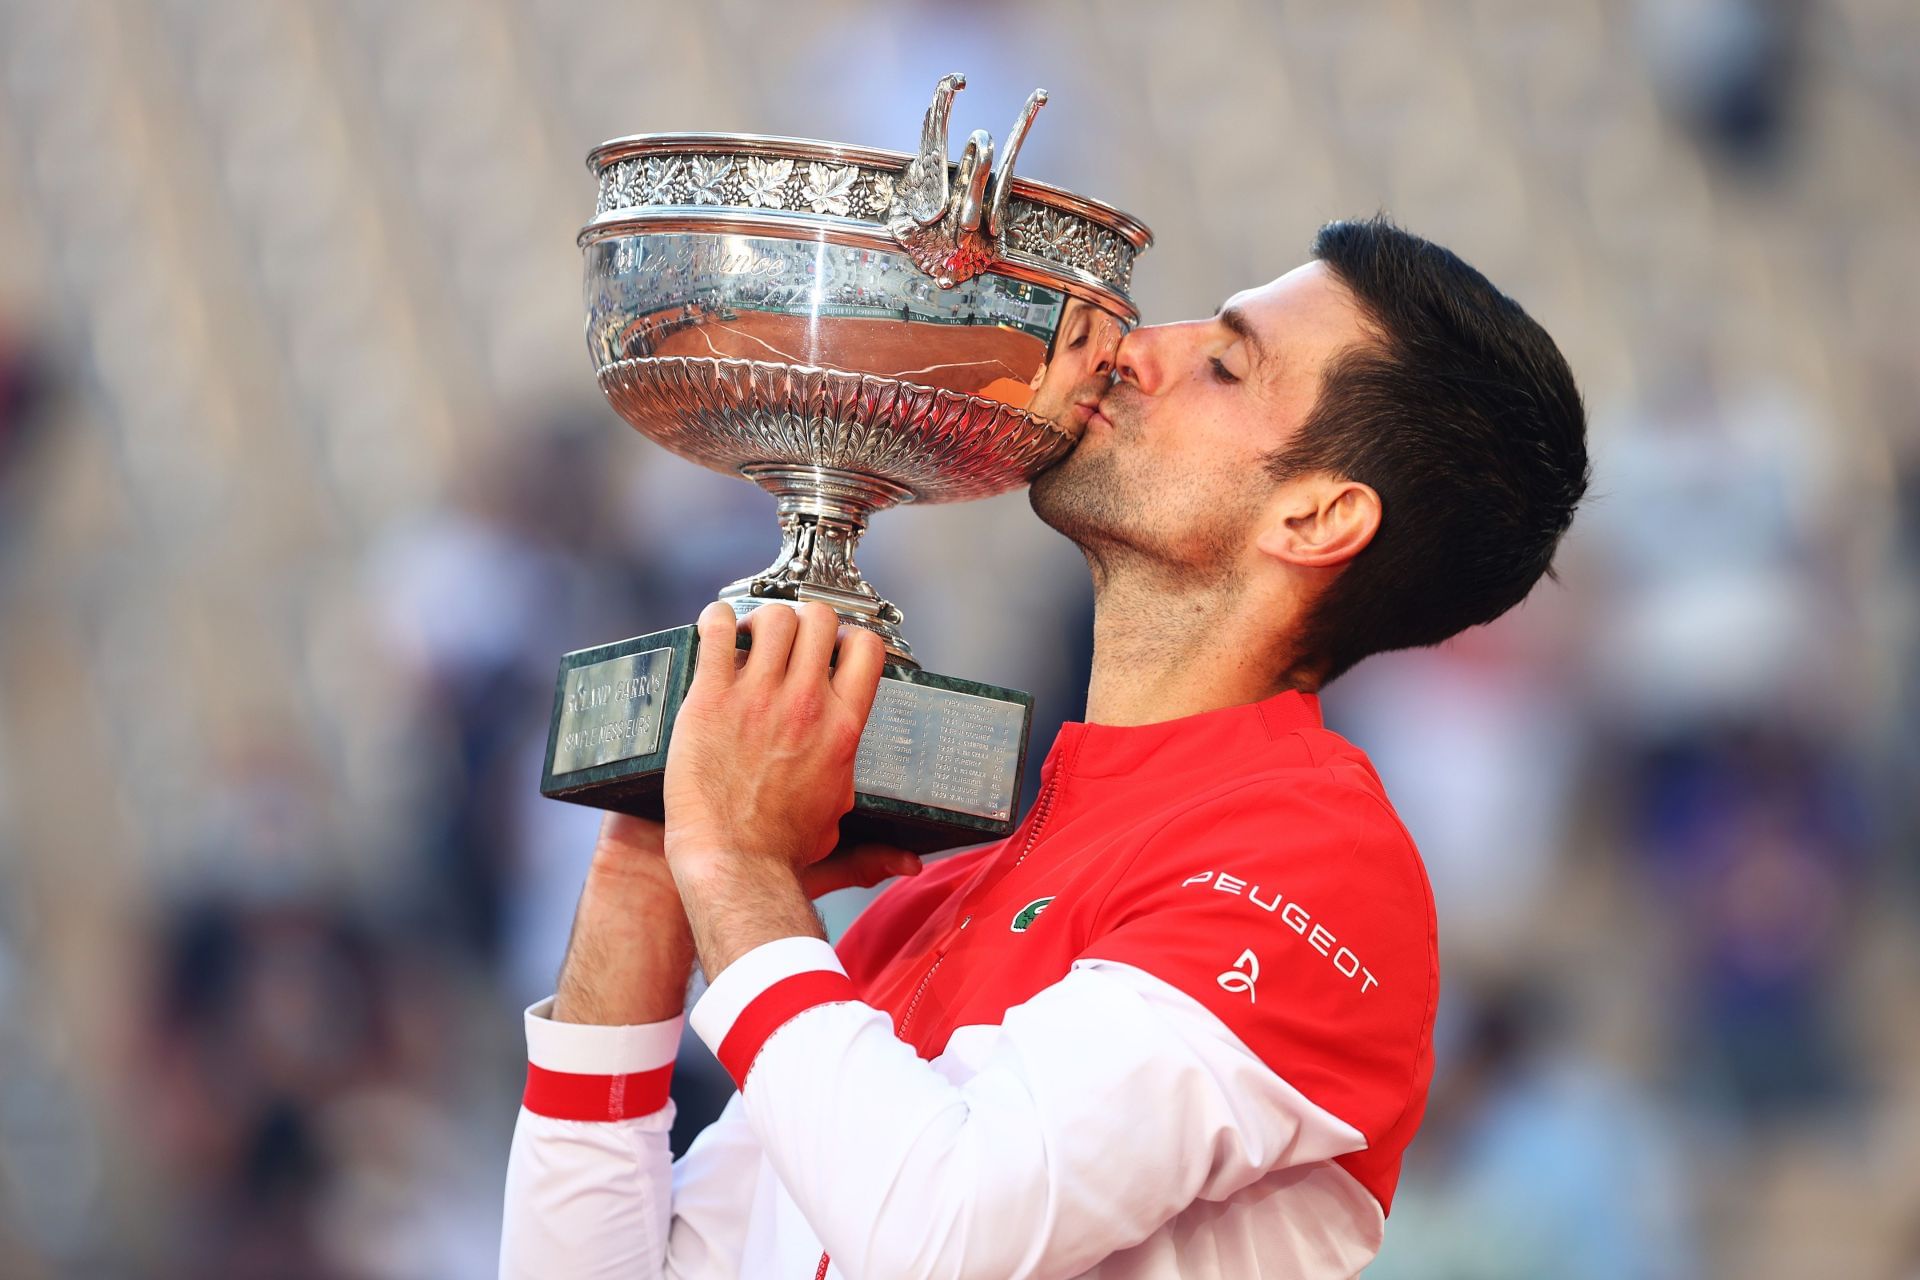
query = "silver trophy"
x=849 y=328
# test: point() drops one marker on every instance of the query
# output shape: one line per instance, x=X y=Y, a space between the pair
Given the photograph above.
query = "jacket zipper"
x=1042 y=807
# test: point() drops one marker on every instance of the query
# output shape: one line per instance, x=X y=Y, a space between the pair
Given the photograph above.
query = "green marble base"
x=940 y=762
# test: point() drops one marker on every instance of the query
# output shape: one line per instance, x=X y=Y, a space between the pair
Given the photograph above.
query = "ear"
x=1320 y=521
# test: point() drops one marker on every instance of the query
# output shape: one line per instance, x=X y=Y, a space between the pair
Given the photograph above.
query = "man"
x=1178 y=1024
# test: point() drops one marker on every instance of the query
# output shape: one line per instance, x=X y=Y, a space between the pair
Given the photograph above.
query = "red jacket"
x=1179 y=1023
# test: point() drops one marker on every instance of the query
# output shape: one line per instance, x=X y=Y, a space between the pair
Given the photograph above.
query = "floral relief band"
x=845 y=190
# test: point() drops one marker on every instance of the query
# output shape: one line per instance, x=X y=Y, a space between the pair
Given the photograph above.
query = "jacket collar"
x=1105 y=750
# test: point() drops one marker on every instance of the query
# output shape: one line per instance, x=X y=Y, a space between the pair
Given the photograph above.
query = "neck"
x=1161 y=654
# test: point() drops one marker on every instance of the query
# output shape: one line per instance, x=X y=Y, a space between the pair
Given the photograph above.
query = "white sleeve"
x=1088 y=1118
x=591 y=1191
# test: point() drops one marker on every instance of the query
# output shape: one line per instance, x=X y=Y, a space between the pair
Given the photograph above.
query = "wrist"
x=735 y=902
x=628 y=872
x=696 y=853
x=695 y=866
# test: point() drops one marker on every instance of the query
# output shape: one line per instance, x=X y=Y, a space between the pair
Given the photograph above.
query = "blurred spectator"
x=1730 y=69
x=1713 y=532
x=26 y=383
x=480 y=600
x=1721 y=650
x=1756 y=834
x=295 y=1077
x=1536 y=1161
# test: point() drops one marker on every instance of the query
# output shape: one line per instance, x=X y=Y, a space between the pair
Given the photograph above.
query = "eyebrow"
x=1236 y=321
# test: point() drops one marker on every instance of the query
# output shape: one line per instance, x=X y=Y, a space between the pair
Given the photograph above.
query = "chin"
x=1074 y=494
x=1043 y=490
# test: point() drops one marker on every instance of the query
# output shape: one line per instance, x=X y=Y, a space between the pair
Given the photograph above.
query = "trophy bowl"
x=850 y=328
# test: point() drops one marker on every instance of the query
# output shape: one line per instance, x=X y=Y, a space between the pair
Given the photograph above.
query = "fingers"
x=813 y=641
x=859 y=868
x=856 y=677
x=772 y=627
x=625 y=836
x=713 y=665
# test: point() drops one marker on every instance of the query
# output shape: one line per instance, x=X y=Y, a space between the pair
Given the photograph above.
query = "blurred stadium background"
x=304 y=487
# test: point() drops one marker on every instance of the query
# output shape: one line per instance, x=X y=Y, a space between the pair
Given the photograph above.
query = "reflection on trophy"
x=849 y=328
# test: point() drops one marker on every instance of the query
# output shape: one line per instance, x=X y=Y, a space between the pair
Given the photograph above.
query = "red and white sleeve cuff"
x=761 y=992
x=580 y=1072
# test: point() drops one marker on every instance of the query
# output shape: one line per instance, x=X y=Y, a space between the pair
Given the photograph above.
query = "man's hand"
x=761 y=761
x=760 y=771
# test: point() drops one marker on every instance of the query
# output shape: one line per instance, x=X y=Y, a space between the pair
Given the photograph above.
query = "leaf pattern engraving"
x=828 y=186
x=1063 y=232
x=620 y=187
x=764 y=180
x=1103 y=251
x=661 y=176
x=847 y=190
x=707 y=174
x=1029 y=229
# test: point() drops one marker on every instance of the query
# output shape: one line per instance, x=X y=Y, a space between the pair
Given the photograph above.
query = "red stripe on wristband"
x=563 y=1095
x=772 y=1009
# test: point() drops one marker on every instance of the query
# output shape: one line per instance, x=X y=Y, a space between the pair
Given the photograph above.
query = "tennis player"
x=1179 y=1024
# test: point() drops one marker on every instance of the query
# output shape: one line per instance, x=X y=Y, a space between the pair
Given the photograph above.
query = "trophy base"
x=939 y=765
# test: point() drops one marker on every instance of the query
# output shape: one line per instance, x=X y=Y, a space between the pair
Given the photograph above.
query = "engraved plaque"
x=941 y=748
x=612 y=710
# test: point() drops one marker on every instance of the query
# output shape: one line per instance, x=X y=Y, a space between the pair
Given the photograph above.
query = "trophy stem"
x=823 y=511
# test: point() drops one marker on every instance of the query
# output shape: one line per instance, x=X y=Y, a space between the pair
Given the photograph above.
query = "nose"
x=1103 y=366
x=1136 y=359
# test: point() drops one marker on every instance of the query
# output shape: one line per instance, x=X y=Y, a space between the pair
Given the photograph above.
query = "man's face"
x=1171 y=467
x=1068 y=388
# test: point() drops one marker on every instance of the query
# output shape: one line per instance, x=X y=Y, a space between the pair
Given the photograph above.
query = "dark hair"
x=1462 y=415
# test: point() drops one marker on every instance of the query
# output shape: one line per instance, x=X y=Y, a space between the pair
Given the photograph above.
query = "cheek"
x=1207 y=483
x=1284 y=411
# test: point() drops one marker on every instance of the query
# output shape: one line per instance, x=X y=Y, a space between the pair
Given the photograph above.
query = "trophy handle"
x=976 y=167
x=922 y=190
x=950 y=224
x=1003 y=180
x=823 y=511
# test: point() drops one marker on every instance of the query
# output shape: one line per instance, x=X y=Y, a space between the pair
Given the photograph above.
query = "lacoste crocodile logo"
x=1023 y=918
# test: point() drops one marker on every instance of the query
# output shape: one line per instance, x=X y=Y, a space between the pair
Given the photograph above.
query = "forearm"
x=735 y=904
x=631 y=952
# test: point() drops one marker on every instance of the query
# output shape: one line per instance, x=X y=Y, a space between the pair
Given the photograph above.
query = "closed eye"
x=1220 y=373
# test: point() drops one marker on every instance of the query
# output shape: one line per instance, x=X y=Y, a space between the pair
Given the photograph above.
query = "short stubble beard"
x=1120 y=519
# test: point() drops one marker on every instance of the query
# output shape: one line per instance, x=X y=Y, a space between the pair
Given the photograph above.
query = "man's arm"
x=589 y=1180
x=590 y=1187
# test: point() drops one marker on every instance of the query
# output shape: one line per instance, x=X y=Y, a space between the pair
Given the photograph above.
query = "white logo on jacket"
x=1297 y=917
x=1245 y=972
